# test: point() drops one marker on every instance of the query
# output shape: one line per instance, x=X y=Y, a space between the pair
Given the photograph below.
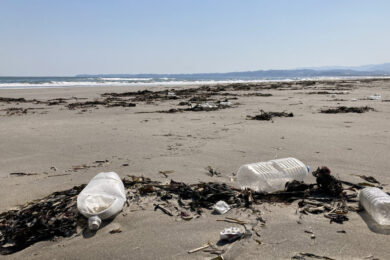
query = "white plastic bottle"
x=272 y=175
x=377 y=203
x=102 y=198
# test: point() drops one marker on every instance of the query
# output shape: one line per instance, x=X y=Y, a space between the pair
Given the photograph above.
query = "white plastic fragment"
x=208 y=105
x=221 y=207
x=377 y=96
x=225 y=103
x=231 y=233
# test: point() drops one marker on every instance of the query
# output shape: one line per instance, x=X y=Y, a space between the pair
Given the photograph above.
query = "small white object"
x=225 y=103
x=208 y=105
x=377 y=96
x=377 y=203
x=221 y=207
x=102 y=198
x=171 y=94
x=231 y=233
x=354 y=99
x=272 y=175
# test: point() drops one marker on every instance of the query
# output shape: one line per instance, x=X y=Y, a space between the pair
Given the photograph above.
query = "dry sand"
x=187 y=143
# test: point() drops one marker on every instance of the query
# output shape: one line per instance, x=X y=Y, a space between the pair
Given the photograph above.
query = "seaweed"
x=108 y=102
x=267 y=116
x=44 y=219
x=344 y=109
x=327 y=182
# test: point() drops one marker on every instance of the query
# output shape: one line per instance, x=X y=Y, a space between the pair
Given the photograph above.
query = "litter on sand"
x=231 y=234
x=221 y=207
x=57 y=216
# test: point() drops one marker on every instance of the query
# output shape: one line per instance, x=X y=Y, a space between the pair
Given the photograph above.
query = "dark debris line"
x=344 y=109
x=56 y=215
x=266 y=116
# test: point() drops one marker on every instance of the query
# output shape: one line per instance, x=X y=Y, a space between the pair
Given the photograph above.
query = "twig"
x=157 y=206
x=199 y=248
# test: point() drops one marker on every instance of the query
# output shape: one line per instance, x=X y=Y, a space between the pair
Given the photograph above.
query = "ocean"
x=63 y=82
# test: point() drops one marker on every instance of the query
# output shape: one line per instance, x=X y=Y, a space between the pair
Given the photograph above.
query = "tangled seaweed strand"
x=54 y=215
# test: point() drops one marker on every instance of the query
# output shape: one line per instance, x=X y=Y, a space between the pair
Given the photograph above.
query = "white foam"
x=126 y=79
x=116 y=82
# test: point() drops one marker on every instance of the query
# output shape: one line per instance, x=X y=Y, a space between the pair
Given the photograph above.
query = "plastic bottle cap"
x=94 y=223
x=308 y=168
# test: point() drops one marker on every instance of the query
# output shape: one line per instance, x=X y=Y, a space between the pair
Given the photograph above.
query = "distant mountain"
x=367 y=70
x=379 y=67
x=385 y=67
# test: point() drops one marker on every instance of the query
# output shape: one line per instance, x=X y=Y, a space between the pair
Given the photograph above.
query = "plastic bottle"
x=102 y=198
x=272 y=175
x=377 y=203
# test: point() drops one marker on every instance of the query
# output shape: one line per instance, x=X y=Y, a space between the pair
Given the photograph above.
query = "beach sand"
x=50 y=140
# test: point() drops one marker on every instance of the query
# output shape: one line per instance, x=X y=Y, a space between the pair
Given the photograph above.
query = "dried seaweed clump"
x=266 y=116
x=54 y=215
x=327 y=182
x=344 y=109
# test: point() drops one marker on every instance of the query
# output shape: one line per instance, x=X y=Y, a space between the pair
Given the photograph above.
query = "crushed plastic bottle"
x=377 y=203
x=102 y=198
x=272 y=175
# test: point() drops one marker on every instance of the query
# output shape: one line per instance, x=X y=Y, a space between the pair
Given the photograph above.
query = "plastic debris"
x=377 y=203
x=271 y=175
x=102 y=198
x=221 y=207
x=377 y=96
x=231 y=234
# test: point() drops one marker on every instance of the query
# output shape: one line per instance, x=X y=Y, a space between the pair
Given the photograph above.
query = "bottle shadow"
x=373 y=225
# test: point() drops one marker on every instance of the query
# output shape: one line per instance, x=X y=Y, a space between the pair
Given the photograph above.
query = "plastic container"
x=272 y=175
x=102 y=198
x=377 y=203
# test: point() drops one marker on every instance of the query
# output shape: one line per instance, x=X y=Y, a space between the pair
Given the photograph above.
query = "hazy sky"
x=67 y=37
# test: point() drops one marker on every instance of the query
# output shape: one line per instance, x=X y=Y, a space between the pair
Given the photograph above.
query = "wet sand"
x=48 y=141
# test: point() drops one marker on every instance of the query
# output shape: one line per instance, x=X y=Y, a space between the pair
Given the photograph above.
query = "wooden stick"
x=199 y=248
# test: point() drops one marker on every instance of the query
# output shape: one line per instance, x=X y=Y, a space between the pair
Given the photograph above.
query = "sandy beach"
x=55 y=140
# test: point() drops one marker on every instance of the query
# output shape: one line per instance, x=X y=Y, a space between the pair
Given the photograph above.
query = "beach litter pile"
x=57 y=216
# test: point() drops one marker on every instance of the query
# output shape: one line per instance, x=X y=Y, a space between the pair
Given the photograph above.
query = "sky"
x=69 y=37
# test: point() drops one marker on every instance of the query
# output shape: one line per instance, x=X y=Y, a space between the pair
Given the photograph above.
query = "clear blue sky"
x=67 y=37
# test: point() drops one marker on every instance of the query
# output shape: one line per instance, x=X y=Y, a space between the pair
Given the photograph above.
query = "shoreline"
x=109 y=83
